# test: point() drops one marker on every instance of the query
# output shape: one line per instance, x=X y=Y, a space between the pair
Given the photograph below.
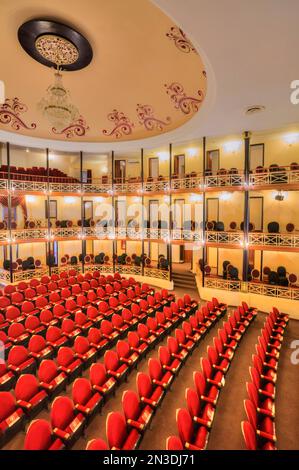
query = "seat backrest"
x=180 y=335
x=185 y=425
x=81 y=345
x=251 y=412
x=97 y=374
x=123 y=349
x=199 y=382
x=142 y=331
x=17 y=355
x=27 y=306
x=81 y=391
x=154 y=368
x=26 y=387
x=80 y=318
x=65 y=356
x=117 y=320
x=173 y=345
x=92 y=312
x=67 y=325
x=212 y=355
x=15 y=330
x=106 y=327
x=47 y=371
x=58 y=310
x=144 y=385
x=94 y=335
x=131 y=405
x=62 y=412
x=36 y=343
x=116 y=430
x=164 y=356
x=96 y=444
x=193 y=402
x=38 y=436
x=7 y=405
x=111 y=360
x=249 y=435
x=174 y=443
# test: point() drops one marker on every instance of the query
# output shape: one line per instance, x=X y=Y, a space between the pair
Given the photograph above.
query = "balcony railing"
x=283 y=177
x=213 y=181
x=228 y=238
x=223 y=284
x=103 y=268
x=286 y=240
x=259 y=288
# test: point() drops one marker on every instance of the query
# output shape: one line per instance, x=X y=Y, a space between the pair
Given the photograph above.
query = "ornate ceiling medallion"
x=52 y=43
x=56 y=49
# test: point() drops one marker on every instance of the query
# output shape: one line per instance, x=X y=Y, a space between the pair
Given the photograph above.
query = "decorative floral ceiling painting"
x=145 y=77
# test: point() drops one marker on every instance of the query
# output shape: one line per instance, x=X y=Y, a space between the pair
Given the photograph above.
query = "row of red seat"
x=259 y=431
x=70 y=362
x=89 y=395
x=194 y=424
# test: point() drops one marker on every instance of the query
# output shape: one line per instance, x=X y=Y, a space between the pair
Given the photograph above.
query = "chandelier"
x=56 y=105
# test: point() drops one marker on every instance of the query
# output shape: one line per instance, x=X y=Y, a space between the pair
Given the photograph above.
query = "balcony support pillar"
x=170 y=222
x=142 y=212
x=204 y=250
x=114 y=242
x=246 y=206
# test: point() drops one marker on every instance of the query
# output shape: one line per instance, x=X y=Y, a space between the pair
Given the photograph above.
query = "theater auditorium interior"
x=149 y=225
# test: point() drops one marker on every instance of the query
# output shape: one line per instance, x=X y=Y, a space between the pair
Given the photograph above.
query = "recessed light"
x=254 y=109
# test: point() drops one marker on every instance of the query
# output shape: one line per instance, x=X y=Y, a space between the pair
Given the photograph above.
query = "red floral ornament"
x=76 y=129
x=146 y=118
x=122 y=125
x=10 y=112
x=187 y=104
x=180 y=40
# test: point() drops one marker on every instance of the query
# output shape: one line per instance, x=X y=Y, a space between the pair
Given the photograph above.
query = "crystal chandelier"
x=56 y=106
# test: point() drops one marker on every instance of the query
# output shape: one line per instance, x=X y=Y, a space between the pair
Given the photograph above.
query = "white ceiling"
x=249 y=48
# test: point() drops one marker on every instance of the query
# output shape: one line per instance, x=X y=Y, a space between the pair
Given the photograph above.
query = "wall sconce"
x=166 y=199
x=104 y=169
x=226 y=196
x=195 y=198
x=232 y=146
x=69 y=200
x=279 y=195
x=192 y=152
x=163 y=156
x=99 y=199
x=30 y=198
x=291 y=138
x=136 y=200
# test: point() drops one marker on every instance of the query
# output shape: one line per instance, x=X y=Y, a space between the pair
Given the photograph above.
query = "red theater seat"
x=94 y=315
x=263 y=425
x=193 y=437
x=39 y=437
x=96 y=444
x=108 y=331
x=84 y=351
x=19 y=361
x=183 y=341
x=169 y=363
x=69 y=363
x=125 y=354
x=47 y=318
x=202 y=413
x=105 y=310
x=67 y=423
x=154 y=328
x=175 y=350
x=34 y=326
x=12 y=417
x=138 y=414
x=174 y=443
x=13 y=315
x=252 y=440
x=119 y=325
x=70 y=329
x=145 y=335
x=29 y=395
x=136 y=344
x=7 y=378
x=149 y=392
x=97 y=340
x=87 y=401
x=158 y=375
x=101 y=381
x=114 y=367
x=51 y=379
x=207 y=391
x=118 y=435
x=38 y=348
